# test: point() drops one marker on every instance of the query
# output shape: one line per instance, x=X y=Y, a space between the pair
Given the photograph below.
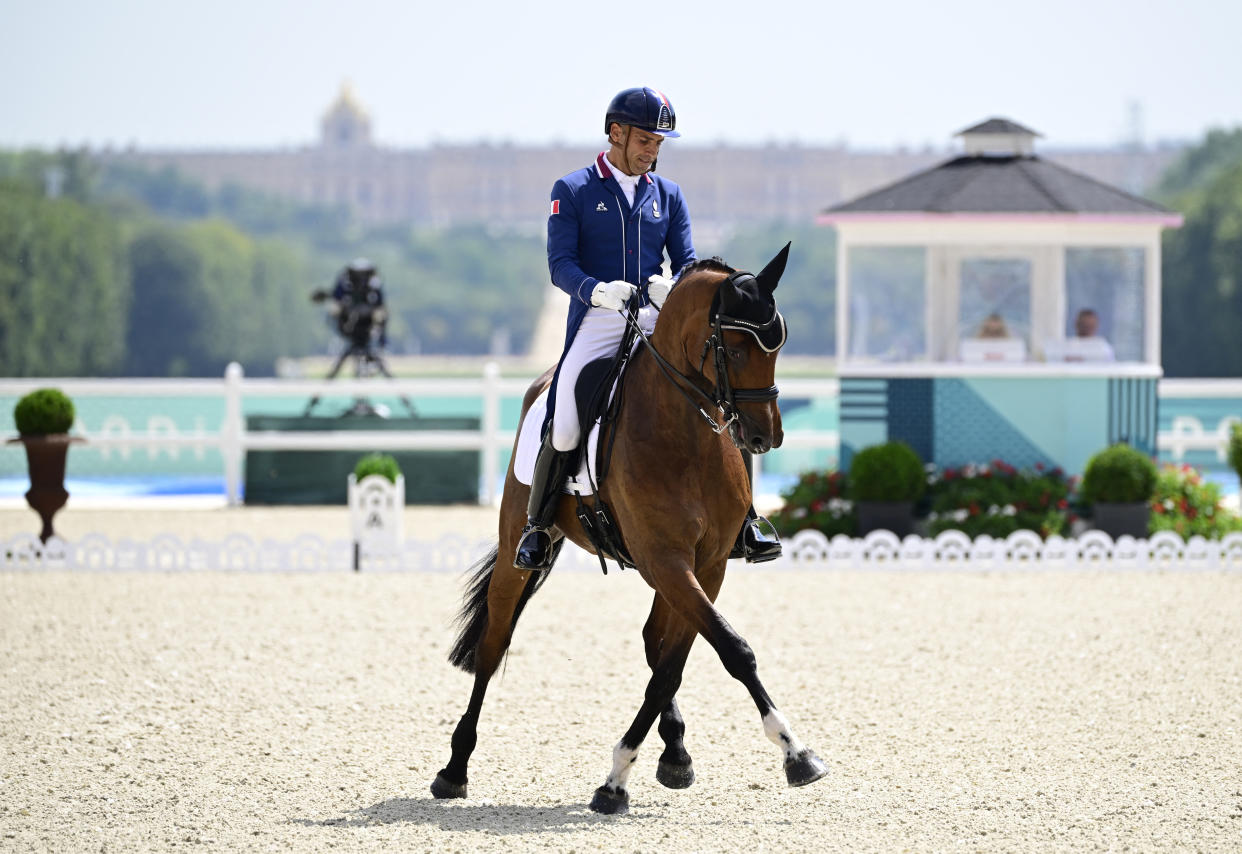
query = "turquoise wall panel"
x=951 y=421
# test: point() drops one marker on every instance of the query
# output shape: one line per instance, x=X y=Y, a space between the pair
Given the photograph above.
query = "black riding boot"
x=534 y=549
x=753 y=542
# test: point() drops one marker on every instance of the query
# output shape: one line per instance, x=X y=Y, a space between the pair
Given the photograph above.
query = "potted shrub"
x=381 y=464
x=43 y=418
x=885 y=481
x=1118 y=483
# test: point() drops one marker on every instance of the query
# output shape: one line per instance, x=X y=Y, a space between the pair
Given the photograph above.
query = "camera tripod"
x=366 y=359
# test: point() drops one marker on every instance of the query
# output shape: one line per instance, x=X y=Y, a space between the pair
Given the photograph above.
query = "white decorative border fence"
x=233 y=440
x=1022 y=551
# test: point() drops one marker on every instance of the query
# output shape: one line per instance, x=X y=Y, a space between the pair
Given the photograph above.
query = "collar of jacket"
x=604 y=171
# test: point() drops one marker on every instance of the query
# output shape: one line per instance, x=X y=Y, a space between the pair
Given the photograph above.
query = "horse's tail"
x=472 y=618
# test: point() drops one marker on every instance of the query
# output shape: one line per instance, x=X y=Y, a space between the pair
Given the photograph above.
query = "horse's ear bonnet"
x=744 y=303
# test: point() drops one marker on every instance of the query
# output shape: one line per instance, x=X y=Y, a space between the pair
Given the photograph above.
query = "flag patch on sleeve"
x=556 y=206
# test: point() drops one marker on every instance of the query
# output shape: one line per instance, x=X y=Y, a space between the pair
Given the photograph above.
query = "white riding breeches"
x=598 y=337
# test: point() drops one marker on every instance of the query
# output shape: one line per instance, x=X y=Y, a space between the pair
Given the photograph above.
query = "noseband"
x=770 y=336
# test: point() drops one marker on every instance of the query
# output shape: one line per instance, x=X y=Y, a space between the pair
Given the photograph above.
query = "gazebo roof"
x=989 y=184
x=998 y=125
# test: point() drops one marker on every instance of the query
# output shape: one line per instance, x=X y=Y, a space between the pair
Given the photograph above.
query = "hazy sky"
x=260 y=73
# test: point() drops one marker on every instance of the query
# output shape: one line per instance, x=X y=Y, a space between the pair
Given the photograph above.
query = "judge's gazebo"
x=999 y=306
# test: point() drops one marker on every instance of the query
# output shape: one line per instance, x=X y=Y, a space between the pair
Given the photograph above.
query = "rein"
x=726 y=396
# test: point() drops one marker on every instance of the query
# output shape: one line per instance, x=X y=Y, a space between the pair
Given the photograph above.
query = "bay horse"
x=679 y=490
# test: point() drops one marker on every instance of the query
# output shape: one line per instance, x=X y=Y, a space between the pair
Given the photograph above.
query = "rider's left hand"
x=657 y=288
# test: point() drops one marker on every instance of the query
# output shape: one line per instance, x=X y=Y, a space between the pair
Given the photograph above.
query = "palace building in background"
x=507 y=186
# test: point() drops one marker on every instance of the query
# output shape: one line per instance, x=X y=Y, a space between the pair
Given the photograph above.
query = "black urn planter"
x=1118 y=519
x=895 y=516
x=45 y=459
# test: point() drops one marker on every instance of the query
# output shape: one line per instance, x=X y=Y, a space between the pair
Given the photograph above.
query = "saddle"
x=599 y=394
x=602 y=380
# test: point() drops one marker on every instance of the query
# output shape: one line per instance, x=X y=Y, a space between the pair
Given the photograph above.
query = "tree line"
x=1202 y=263
x=116 y=270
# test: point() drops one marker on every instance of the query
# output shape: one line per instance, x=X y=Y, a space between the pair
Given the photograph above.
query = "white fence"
x=233 y=439
x=1022 y=551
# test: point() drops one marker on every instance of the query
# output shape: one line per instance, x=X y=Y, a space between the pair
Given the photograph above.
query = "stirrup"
x=535 y=549
x=754 y=544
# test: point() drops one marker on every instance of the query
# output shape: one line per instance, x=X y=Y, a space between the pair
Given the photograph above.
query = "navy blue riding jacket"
x=595 y=235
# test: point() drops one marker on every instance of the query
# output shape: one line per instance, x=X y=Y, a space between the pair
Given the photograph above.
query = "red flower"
x=1039 y=466
x=974 y=509
x=1062 y=504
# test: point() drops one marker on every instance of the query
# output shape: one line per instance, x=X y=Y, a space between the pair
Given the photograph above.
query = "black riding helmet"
x=643 y=108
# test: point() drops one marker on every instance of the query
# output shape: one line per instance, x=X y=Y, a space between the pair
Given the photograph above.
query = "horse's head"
x=730 y=333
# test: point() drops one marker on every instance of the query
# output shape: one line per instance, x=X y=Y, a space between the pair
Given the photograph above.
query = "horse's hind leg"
x=489 y=616
x=675 y=769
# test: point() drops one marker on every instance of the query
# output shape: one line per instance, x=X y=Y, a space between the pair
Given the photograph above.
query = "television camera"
x=357 y=307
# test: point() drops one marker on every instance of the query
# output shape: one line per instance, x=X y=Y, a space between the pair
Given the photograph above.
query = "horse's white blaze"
x=776 y=728
x=623 y=760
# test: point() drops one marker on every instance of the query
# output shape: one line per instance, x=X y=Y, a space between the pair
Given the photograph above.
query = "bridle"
x=725 y=397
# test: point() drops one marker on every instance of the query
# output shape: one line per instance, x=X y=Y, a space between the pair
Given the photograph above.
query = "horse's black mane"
x=714 y=264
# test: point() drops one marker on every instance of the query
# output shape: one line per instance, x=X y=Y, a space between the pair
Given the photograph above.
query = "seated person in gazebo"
x=1089 y=345
x=993 y=326
x=993 y=343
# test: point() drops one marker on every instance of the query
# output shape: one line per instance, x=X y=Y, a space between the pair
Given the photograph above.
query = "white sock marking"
x=623 y=760
x=776 y=728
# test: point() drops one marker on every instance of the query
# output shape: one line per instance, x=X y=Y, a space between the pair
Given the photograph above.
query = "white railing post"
x=231 y=433
x=491 y=430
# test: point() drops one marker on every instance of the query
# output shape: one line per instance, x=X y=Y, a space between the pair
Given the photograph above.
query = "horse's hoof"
x=442 y=788
x=675 y=776
x=611 y=801
x=805 y=768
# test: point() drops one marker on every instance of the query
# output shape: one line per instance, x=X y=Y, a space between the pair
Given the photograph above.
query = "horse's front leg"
x=613 y=798
x=675 y=769
x=687 y=597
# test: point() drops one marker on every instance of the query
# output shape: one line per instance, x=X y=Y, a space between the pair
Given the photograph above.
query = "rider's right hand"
x=613 y=295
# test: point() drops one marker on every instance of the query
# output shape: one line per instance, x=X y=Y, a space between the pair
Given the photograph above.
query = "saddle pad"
x=529 y=440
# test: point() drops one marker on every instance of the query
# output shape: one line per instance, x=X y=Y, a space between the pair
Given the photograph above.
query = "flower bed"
x=997 y=499
x=1187 y=504
x=818 y=502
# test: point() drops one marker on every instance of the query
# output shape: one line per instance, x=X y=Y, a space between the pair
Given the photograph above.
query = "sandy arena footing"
x=956 y=711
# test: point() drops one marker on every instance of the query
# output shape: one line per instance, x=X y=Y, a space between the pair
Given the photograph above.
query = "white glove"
x=612 y=295
x=657 y=288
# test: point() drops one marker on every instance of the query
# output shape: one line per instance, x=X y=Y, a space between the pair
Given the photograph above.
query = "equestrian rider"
x=608 y=230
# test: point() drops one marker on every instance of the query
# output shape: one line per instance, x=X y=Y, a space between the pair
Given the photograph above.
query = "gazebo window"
x=995 y=288
x=1108 y=281
x=888 y=303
